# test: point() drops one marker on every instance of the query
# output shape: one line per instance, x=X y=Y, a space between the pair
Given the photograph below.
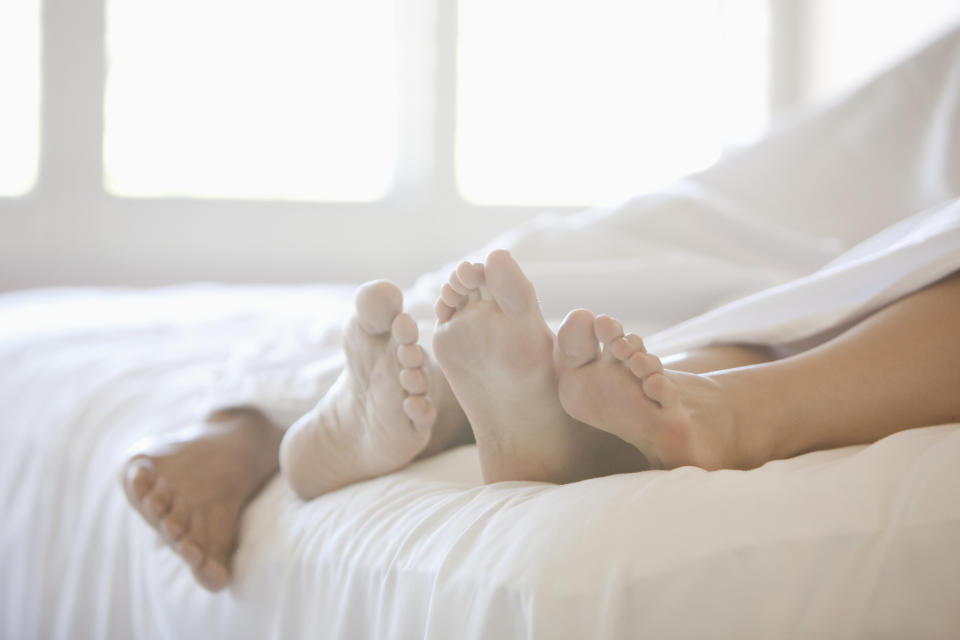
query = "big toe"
x=508 y=285
x=576 y=340
x=378 y=303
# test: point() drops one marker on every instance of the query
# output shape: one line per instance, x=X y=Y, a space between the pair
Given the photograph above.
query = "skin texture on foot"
x=192 y=486
x=387 y=407
x=609 y=381
x=854 y=388
x=498 y=355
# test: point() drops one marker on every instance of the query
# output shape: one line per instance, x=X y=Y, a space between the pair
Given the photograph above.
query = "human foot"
x=388 y=406
x=192 y=486
x=609 y=381
x=498 y=354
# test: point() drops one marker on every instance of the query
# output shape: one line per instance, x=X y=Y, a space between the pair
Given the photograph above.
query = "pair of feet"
x=586 y=402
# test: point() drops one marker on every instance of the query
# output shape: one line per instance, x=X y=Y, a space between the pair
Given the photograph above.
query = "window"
x=19 y=105
x=286 y=99
x=566 y=103
x=306 y=140
x=581 y=103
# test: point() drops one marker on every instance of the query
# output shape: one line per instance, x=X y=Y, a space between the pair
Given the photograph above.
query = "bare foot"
x=675 y=418
x=498 y=355
x=389 y=406
x=191 y=486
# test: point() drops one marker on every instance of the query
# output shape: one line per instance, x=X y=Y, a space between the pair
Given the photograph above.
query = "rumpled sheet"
x=854 y=542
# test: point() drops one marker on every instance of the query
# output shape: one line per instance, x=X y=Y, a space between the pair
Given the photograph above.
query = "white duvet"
x=823 y=222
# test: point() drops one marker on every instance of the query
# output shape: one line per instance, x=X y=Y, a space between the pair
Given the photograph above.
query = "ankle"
x=749 y=419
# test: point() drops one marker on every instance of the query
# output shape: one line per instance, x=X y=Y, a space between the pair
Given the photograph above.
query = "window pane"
x=20 y=99
x=292 y=99
x=591 y=101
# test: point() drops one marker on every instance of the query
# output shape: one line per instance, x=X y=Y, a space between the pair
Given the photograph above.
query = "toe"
x=212 y=574
x=410 y=356
x=470 y=275
x=174 y=524
x=644 y=364
x=404 y=329
x=413 y=381
x=658 y=388
x=420 y=410
x=138 y=478
x=576 y=340
x=511 y=289
x=443 y=311
x=457 y=285
x=157 y=503
x=190 y=551
x=378 y=303
x=607 y=329
x=636 y=343
x=623 y=348
x=451 y=297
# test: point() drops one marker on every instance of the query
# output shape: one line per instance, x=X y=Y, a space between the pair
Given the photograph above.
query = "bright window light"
x=847 y=50
x=259 y=99
x=578 y=102
x=20 y=101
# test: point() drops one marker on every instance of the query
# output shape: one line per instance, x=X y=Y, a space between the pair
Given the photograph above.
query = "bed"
x=854 y=542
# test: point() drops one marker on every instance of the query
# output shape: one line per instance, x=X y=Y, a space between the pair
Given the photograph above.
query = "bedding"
x=856 y=542
x=853 y=542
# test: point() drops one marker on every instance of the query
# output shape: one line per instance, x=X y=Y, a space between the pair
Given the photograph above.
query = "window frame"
x=98 y=237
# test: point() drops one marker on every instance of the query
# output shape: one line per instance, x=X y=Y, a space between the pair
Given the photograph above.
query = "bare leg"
x=723 y=356
x=895 y=370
